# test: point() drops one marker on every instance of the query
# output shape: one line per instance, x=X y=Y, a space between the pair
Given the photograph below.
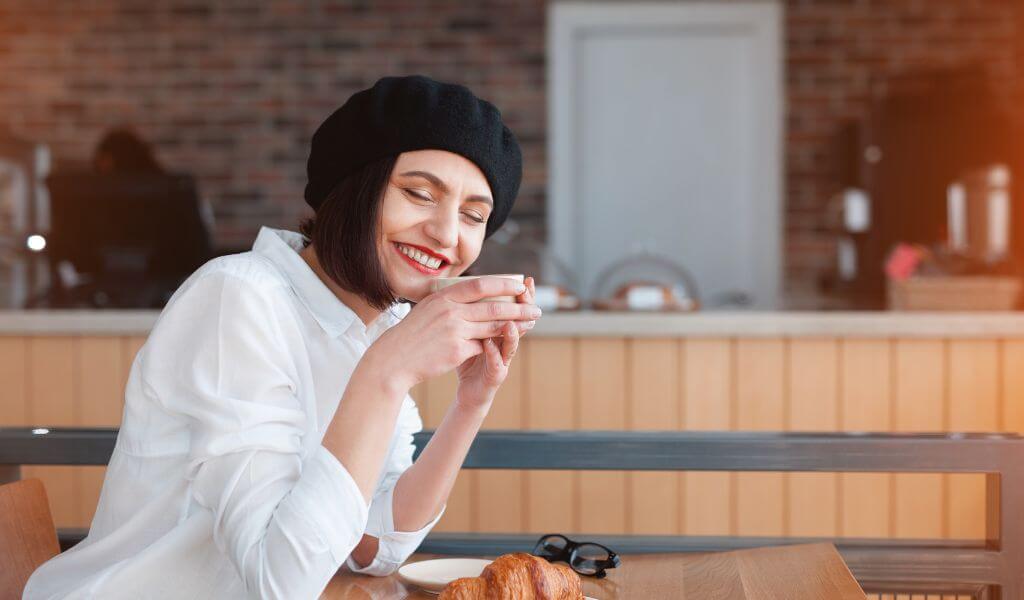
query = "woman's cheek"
x=473 y=243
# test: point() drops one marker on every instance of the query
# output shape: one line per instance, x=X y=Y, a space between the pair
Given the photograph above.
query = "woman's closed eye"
x=475 y=217
x=420 y=195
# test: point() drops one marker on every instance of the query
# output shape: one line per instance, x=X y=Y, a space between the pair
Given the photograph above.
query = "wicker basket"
x=955 y=293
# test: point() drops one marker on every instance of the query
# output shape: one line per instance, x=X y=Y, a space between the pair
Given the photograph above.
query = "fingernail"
x=536 y=313
x=520 y=288
x=529 y=324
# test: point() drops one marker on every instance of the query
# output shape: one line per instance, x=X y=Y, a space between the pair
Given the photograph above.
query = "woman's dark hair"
x=344 y=233
x=122 y=151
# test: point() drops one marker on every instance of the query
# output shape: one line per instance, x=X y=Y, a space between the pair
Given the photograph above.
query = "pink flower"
x=903 y=261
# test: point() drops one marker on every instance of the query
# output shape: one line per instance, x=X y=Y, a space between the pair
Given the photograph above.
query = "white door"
x=665 y=134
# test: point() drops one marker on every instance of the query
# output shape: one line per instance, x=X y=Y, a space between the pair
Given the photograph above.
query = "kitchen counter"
x=604 y=324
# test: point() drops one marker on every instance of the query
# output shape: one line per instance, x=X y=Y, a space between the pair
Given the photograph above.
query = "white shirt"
x=219 y=486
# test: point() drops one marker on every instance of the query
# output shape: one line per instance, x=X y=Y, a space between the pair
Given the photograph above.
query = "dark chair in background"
x=131 y=238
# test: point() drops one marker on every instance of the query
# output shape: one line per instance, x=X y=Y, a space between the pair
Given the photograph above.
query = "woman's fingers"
x=527 y=296
x=473 y=348
x=500 y=311
x=492 y=354
x=506 y=342
x=510 y=344
x=482 y=330
x=477 y=289
x=524 y=326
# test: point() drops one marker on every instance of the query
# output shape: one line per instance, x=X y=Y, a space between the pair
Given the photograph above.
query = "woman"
x=267 y=432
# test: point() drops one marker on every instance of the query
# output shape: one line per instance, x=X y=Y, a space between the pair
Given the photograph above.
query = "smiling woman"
x=267 y=433
x=426 y=210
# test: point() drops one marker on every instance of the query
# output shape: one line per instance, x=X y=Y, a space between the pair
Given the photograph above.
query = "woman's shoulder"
x=232 y=287
x=235 y=296
x=249 y=267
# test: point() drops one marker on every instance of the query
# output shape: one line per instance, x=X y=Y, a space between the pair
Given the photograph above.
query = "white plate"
x=433 y=575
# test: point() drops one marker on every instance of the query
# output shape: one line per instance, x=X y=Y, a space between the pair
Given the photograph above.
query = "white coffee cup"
x=440 y=283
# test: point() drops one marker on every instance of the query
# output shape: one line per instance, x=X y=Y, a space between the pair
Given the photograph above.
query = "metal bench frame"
x=992 y=568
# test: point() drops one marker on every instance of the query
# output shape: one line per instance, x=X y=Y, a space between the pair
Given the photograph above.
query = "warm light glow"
x=36 y=242
x=41 y=431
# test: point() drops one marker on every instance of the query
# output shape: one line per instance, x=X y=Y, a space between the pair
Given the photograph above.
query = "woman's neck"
x=366 y=313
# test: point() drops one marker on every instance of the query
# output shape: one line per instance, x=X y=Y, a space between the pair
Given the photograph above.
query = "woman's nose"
x=444 y=228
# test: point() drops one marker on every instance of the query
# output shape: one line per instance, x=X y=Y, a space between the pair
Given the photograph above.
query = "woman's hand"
x=448 y=328
x=481 y=375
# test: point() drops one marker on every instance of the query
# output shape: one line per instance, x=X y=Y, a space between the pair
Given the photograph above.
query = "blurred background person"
x=124 y=233
x=122 y=151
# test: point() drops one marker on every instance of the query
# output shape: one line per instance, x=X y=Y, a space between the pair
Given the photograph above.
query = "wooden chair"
x=28 y=537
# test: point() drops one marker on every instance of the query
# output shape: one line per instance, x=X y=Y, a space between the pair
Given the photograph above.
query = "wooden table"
x=809 y=571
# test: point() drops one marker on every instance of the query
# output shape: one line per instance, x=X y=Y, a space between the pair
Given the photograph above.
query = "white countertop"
x=599 y=324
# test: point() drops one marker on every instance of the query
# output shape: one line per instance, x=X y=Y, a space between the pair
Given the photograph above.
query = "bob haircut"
x=344 y=233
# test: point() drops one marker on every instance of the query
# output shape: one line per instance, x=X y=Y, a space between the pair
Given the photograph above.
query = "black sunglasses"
x=586 y=558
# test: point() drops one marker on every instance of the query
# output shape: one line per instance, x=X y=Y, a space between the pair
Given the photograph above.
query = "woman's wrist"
x=474 y=403
x=377 y=369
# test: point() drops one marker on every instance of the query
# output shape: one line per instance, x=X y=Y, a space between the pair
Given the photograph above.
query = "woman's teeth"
x=423 y=259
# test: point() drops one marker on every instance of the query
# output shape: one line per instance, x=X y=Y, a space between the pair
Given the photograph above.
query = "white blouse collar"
x=282 y=248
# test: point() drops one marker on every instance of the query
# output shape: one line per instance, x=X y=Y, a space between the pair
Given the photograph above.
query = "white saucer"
x=433 y=575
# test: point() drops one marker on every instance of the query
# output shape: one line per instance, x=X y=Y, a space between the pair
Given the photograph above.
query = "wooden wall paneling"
x=604 y=505
x=655 y=497
x=708 y=394
x=100 y=399
x=920 y=399
x=440 y=392
x=813 y=381
x=52 y=383
x=1012 y=369
x=613 y=384
x=420 y=396
x=760 y=406
x=552 y=497
x=974 y=405
x=866 y=392
x=101 y=380
x=500 y=493
x=459 y=513
x=14 y=406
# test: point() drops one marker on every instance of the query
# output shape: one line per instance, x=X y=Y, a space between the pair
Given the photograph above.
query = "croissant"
x=518 y=577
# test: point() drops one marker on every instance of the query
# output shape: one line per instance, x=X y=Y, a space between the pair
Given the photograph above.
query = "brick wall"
x=839 y=56
x=231 y=91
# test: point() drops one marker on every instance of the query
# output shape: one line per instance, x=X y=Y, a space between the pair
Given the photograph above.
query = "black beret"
x=403 y=114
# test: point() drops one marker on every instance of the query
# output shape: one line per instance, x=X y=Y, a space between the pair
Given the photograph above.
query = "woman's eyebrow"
x=436 y=181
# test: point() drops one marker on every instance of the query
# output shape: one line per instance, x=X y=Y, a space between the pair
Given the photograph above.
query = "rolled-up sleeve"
x=286 y=518
x=394 y=547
